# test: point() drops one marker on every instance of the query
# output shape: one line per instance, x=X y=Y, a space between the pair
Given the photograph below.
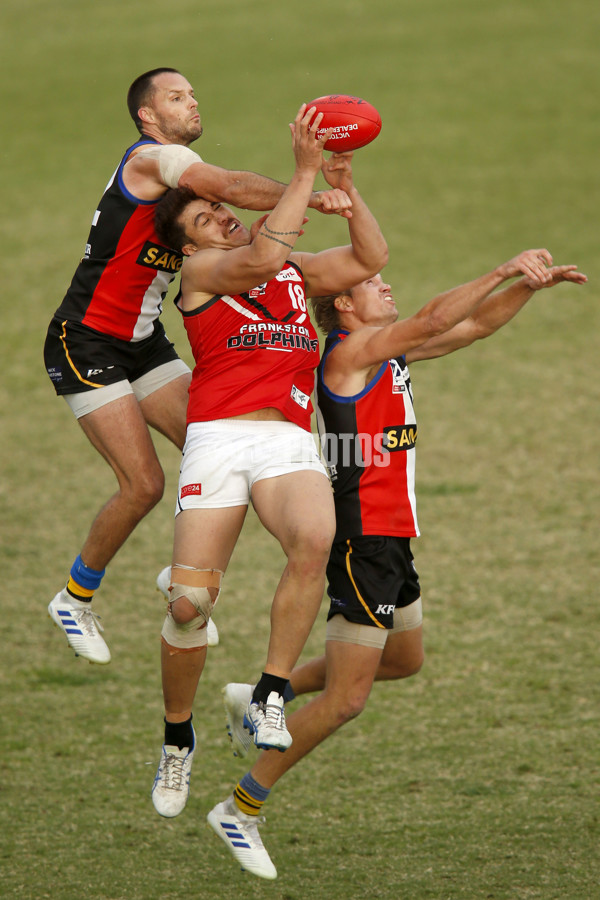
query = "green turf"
x=479 y=778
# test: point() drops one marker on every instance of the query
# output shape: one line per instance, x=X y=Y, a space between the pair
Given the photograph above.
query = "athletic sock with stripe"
x=83 y=581
x=249 y=795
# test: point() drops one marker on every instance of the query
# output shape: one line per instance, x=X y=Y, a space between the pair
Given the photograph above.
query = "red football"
x=355 y=122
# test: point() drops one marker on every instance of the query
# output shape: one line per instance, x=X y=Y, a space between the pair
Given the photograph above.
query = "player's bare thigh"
x=206 y=538
x=119 y=432
x=165 y=409
x=403 y=654
x=158 y=398
x=297 y=508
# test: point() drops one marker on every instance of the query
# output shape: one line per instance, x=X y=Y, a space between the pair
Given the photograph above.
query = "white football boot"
x=240 y=833
x=236 y=698
x=81 y=626
x=266 y=722
x=171 y=787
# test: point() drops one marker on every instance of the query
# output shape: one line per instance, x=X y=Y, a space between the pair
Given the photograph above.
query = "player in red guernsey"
x=106 y=351
x=254 y=350
x=368 y=431
x=243 y=298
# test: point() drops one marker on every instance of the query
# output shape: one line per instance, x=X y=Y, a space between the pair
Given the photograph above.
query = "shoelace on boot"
x=274 y=715
x=88 y=620
x=173 y=772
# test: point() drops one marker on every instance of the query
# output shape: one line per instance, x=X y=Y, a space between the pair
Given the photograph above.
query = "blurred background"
x=479 y=777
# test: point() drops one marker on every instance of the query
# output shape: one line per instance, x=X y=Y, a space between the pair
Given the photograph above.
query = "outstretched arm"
x=246 y=190
x=220 y=270
x=349 y=364
x=153 y=169
x=340 y=268
x=494 y=312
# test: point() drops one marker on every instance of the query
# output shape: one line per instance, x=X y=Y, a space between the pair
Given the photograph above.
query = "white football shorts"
x=223 y=459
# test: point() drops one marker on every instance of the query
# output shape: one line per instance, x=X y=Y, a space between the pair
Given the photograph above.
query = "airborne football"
x=355 y=122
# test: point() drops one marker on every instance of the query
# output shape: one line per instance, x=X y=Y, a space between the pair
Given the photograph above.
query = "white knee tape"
x=199 y=597
x=202 y=594
x=173 y=160
x=190 y=636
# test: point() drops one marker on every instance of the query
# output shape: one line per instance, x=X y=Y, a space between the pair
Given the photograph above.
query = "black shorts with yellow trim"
x=79 y=358
x=369 y=576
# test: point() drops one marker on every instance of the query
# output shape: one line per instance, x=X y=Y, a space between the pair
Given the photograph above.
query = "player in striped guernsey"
x=368 y=430
x=106 y=351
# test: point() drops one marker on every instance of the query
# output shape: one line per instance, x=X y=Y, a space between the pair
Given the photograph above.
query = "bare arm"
x=349 y=365
x=340 y=268
x=217 y=271
x=494 y=312
x=244 y=190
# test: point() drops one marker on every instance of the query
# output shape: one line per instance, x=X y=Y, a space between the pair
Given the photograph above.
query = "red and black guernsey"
x=120 y=284
x=368 y=442
x=254 y=350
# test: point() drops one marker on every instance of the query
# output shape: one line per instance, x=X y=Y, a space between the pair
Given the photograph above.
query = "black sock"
x=179 y=734
x=267 y=684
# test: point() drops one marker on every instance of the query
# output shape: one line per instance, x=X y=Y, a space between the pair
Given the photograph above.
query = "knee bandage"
x=201 y=588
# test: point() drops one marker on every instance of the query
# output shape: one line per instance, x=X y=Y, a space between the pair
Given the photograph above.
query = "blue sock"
x=83 y=580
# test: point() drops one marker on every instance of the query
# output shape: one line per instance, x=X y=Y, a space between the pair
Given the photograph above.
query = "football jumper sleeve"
x=368 y=443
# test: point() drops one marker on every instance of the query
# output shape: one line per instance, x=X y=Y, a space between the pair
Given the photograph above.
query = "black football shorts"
x=78 y=358
x=369 y=577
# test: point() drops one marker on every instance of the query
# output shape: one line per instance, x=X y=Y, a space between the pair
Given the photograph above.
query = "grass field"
x=480 y=777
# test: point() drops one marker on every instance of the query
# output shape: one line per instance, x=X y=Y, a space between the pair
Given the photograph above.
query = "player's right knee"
x=186 y=629
x=200 y=587
x=199 y=603
x=185 y=626
x=183 y=637
x=192 y=596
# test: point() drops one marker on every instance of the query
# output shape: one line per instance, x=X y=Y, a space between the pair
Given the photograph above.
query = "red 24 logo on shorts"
x=188 y=489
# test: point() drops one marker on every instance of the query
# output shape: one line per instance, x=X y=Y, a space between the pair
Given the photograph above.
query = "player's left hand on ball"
x=337 y=170
x=339 y=161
